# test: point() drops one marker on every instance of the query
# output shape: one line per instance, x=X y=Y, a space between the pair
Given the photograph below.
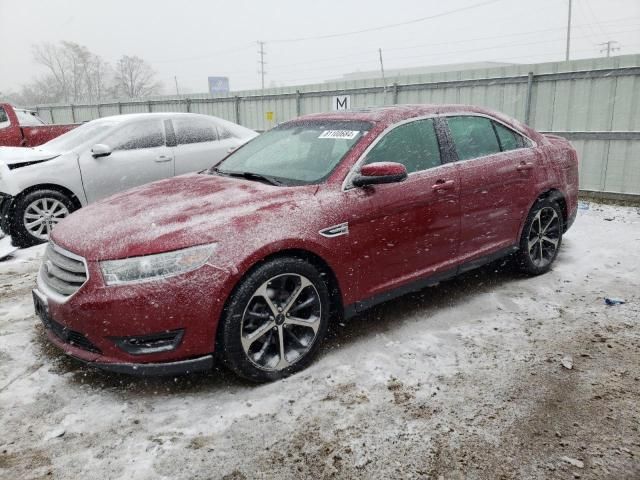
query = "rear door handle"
x=442 y=185
x=163 y=158
x=524 y=166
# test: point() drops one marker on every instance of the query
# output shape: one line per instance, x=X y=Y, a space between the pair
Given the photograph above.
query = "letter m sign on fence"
x=342 y=102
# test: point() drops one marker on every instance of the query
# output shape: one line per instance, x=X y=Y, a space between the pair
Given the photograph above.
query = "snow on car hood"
x=176 y=213
x=15 y=155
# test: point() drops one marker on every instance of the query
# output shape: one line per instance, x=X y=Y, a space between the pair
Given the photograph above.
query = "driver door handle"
x=524 y=166
x=442 y=185
x=163 y=158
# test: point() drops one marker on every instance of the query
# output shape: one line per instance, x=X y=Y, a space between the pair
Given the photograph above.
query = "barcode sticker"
x=341 y=134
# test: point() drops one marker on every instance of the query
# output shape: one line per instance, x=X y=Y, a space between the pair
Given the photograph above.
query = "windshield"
x=78 y=136
x=296 y=153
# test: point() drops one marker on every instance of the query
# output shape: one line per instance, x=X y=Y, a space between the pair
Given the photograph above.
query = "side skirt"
x=417 y=285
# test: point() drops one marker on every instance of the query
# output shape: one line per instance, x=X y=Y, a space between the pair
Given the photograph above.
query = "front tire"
x=541 y=237
x=35 y=214
x=275 y=321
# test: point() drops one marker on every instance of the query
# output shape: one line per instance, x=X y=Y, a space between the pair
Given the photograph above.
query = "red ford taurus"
x=317 y=219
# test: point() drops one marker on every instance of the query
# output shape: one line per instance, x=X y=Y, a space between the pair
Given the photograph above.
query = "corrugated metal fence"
x=595 y=103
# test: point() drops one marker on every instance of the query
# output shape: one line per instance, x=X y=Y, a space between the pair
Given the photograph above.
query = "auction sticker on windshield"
x=342 y=134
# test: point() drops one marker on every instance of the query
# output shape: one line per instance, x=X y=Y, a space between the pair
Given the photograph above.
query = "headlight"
x=155 y=267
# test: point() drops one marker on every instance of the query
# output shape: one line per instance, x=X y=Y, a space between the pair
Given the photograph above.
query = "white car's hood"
x=15 y=155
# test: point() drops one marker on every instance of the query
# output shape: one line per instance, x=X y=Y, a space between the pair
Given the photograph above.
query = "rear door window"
x=473 y=136
x=414 y=145
x=194 y=130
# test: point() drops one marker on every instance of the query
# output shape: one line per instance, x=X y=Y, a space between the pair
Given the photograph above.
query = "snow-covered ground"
x=462 y=380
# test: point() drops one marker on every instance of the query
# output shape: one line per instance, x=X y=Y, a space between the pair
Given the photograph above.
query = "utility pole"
x=568 y=32
x=261 y=62
x=175 y=78
x=384 y=82
x=609 y=47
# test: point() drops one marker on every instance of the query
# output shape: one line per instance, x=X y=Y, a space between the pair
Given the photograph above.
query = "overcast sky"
x=197 y=38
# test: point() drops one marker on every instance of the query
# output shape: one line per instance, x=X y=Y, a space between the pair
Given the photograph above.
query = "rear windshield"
x=297 y=153
x=28 y=119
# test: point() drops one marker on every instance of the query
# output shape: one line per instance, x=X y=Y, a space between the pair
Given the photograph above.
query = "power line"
x=384 y=27
x=372 y=59
x=207 y=55
x=595 y=19
x=435 y=44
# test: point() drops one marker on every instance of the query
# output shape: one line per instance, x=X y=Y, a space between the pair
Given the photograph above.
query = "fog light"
x=153 y=343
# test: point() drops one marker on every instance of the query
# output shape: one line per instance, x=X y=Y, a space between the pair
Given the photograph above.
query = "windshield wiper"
x=249 y=176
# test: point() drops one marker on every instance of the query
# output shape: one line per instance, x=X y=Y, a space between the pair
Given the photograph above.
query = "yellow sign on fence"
x=268 y=115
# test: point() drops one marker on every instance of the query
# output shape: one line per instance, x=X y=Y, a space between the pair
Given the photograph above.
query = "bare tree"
x=134 y=78
x=74 y=72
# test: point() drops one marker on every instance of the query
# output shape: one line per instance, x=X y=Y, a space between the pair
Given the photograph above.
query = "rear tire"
x=541 y=237
x=275 y=321
x=35 y=214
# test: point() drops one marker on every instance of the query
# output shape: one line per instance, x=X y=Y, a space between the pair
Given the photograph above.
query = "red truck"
x=23 y=128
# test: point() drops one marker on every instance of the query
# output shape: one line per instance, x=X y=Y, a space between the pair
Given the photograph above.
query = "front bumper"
x=88 y=325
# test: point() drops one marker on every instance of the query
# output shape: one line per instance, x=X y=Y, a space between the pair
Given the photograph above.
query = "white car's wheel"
x=36 y=214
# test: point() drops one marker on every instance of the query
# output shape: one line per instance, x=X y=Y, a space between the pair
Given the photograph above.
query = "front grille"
x=76 y=339
x=62 y=272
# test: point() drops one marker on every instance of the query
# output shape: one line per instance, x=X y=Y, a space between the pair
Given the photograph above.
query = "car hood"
x=176 y=213
x=17 y=155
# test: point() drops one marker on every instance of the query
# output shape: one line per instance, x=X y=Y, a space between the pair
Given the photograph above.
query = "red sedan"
x=317 y=219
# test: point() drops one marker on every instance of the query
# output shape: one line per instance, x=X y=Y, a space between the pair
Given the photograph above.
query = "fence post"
x=98 y=108
x=395 y=93
x=188 y=101
x=53 y=120
x=149 y=106
x=119 y=108
x=73 y=114
x=298 y=103
x=236 y=102
x=527 y=105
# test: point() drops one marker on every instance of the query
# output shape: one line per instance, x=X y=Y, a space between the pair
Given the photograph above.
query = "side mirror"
x=100 y=150
x=379 y=173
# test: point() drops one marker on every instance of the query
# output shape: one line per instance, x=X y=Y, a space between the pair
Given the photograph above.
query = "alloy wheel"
x=281 y=321
x=42 y=215
x=544 y=237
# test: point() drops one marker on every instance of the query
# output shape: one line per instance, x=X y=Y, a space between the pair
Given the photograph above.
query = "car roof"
x=394 y=113
x=137 y=116
x=388 y=115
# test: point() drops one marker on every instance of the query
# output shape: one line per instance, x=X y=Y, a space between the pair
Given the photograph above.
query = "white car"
x=42 y=185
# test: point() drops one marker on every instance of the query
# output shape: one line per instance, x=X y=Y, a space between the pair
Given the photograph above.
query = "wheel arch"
x=8 y=224
x=552 y=194
x=326 y=272
x=52 y=186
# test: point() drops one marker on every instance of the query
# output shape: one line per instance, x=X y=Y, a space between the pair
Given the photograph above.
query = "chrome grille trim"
x=62 y=273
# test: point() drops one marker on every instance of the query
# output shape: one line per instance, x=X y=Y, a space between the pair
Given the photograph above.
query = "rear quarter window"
x=510 y=140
